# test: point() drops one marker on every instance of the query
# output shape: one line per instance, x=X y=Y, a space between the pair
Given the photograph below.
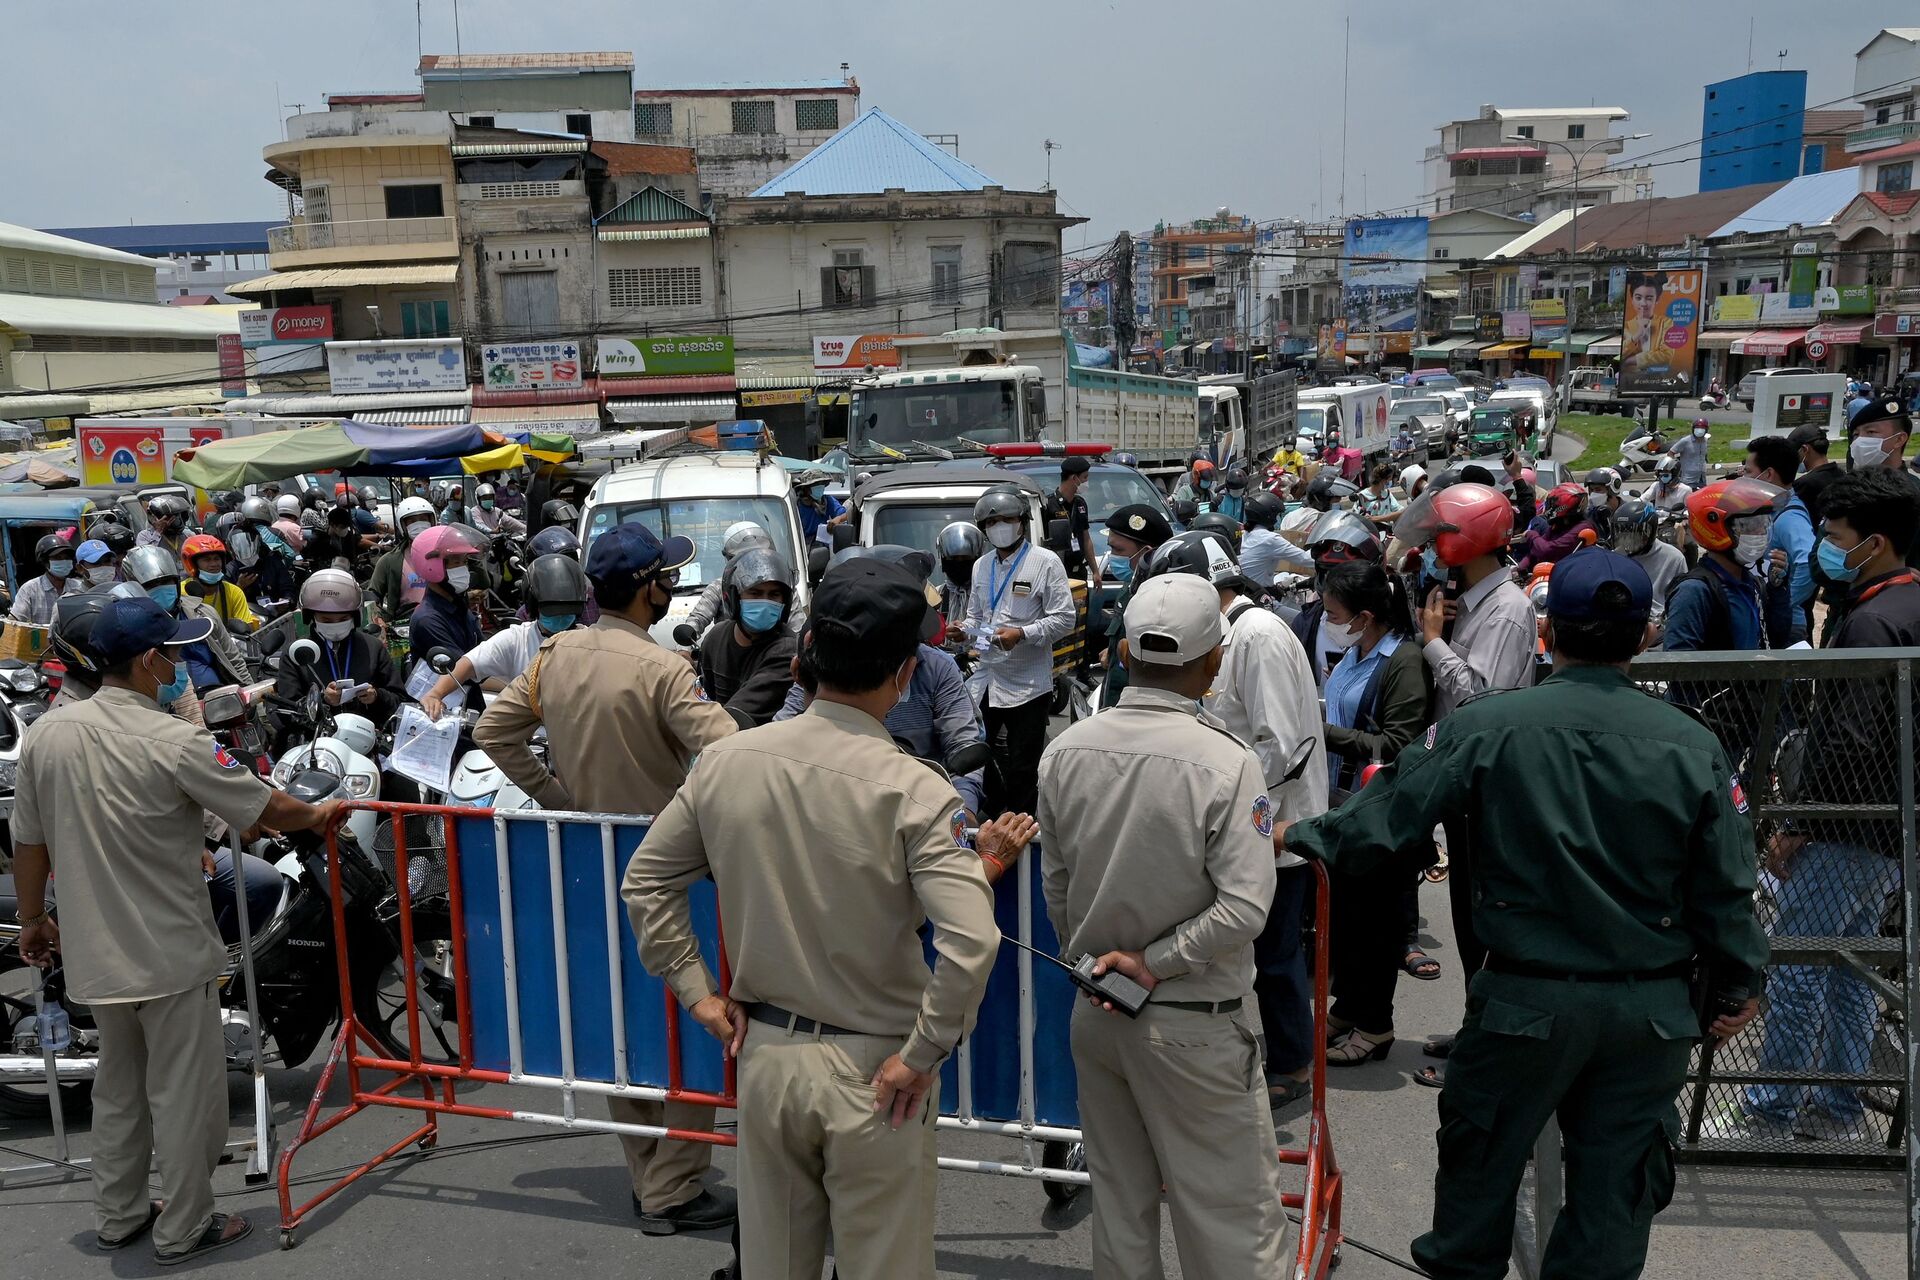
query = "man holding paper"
x=354 y=671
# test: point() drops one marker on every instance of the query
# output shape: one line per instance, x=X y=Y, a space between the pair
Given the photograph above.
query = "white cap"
x=1173 y=619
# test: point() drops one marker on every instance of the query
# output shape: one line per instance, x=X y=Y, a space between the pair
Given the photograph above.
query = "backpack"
x=1719 y=613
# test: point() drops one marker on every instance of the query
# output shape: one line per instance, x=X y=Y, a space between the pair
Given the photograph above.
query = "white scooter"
x=477 y=781
x=344 y=748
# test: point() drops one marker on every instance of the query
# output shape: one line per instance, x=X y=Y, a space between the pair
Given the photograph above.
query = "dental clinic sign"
x=403 y=364
x=666 y=357
x=531 y=366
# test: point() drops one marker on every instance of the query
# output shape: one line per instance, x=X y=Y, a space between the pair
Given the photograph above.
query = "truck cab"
x=942 y=414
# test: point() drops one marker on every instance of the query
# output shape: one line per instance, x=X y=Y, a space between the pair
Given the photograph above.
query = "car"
x=1744 y=393
x=1429 y=380
x=1428 y=418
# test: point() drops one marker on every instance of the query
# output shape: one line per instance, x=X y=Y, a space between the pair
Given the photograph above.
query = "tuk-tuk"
x=1492 y=430
x=30 y=515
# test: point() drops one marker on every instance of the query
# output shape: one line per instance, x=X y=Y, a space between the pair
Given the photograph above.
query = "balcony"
x=308 y=243
x=1873 y=137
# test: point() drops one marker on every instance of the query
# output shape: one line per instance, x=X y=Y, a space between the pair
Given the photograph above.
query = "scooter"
x=23 y=699
x=343 y=744
x=1716 y=397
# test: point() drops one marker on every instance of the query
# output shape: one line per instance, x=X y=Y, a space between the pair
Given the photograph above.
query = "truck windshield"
x=939 y=414
x=705 y=520
x=917 y=524
x=1310 y=421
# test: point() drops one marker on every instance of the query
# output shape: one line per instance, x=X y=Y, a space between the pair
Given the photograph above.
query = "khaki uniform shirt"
x=624 y=719
x=1157 y=836
x=116 y=789
x=829 y=846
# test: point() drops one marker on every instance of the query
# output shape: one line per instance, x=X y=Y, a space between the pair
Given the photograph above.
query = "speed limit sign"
x=1816 y=350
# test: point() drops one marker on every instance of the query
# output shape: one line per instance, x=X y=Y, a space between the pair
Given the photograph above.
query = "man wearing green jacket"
x=1625 y=857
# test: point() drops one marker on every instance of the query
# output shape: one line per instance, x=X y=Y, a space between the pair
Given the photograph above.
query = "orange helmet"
x=201 y=544
x=1201 y=467
x=1474 y=520
x=1712 y=509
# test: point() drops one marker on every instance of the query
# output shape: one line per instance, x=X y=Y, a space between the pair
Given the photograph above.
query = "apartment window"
x=421 y=200
x=425 y=318
x=1894 y=177
x=580 y=122
x=1525 y=131
x=480 y=122
x=753 y=117
x=1883 y=116
x=946 y=274
x=849 y=282
x=1574 y=132
x=1443 y=253
x=816 y=113
x=633 y=288
x=653 y=119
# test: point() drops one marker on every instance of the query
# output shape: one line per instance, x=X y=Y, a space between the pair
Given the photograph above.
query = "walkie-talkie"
x=1113 y=987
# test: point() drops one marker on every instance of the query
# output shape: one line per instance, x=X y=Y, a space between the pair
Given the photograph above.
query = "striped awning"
x=552 y=147
x=540 y=416
x=611 y=234
x=341 y=277
x=442 y=416
x=671 y=409
x=1503 y=351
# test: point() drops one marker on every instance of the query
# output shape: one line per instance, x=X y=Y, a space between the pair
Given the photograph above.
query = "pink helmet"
x=291 y=532
x=426 y=555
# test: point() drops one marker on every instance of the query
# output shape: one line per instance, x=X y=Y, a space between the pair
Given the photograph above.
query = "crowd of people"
x=1295 y=669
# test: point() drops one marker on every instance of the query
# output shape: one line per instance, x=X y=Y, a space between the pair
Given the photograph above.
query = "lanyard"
x=1898 y=579
x=994 y=593
x=333 y=662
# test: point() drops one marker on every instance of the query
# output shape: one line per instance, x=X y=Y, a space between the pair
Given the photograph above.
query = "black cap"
x=1577 y=588
x=1074 y=465
x=874 y=600
x=1882 y=409
x=1141 y=523
x=1809 y=434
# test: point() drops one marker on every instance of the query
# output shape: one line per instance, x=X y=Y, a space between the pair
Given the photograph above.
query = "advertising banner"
x=852 y=352
x=1490 y=327
x=1616 y=283
x=400 y=364
x=275 y=326
x=233 y=364
x=1547 y=311
x=531 y=366
x=1803 y=274
x=1786 y=308
x=1662 y=327
x=1735 y=309
x=123 y=456
x=1903 y=324
x=1383 y=265
x=1844 y=300
x=1516 y=324
x=768 y=399
x=679 y=356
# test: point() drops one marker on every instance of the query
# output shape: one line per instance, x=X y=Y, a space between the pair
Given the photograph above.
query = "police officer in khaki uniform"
x=1157 y=840
x=624 y=719
x=111 y=792
x=829 y=846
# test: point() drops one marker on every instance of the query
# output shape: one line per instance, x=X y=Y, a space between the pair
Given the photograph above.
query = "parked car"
x=1744 y=392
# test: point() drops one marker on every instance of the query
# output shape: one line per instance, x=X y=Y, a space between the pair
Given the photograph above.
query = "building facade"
x=1751 y=129
x=744 y=134
x=1516 y=161
x=1886 y=84
x=1187 y=250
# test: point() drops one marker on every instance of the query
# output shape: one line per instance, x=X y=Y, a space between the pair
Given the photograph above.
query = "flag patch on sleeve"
x=1433 y=731
x=959 y=825
x=1738 y=793
x=1263 y=815
x=224 y=758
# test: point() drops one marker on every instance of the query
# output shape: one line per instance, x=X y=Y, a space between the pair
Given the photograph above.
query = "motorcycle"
x=23 y=699
x=1716 y=397
x=1642 y=451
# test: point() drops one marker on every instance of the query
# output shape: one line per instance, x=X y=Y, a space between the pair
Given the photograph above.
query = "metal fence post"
x=1910 y=898
x=265 y=1139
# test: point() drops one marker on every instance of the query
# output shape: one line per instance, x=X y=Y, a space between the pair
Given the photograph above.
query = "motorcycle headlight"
x=283 y=772
x=24 y=679
x=358 y=787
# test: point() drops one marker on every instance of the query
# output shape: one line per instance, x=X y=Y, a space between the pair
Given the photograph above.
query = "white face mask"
x=333 y=632
x=458 y=579
x=1335 y=636
x=1003 y=535
x=1750 y=547
x=100 y=575
x=1699 y=433
x=416 y=528
x=1867 y=451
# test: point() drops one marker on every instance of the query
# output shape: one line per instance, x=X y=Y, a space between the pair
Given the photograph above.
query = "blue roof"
x=1811 y=200
x=175 y=237
x=873 y=154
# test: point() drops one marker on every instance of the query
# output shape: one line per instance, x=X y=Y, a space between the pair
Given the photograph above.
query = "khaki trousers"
x=159 y=1097
x=815 y=1155
x=666 y=1174
x=1179 y=1099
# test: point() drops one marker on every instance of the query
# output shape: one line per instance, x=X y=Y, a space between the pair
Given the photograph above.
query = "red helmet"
x=1563 y=501
x=1712 y=509
x=1463 y=521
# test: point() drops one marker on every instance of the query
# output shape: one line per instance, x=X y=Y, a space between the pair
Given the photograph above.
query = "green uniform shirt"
x=1609 y=834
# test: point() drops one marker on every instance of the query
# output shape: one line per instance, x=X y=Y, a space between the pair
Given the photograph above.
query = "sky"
x=150 y=112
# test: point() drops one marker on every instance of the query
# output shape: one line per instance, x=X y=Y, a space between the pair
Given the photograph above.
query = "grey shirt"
x=1691 y=453
x=1494 y=637
x=1157 y=836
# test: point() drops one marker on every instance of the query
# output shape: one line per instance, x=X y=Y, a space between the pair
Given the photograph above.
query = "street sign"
x=531 y=366
x=1816 y=350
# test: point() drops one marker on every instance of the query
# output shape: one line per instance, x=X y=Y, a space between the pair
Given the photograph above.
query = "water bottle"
x=56 y=1031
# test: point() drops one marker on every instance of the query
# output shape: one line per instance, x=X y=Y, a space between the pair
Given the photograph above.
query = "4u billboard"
x=1662 y=331
x=1383 y=263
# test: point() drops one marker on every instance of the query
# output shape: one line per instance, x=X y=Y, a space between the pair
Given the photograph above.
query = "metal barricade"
x=548 y=993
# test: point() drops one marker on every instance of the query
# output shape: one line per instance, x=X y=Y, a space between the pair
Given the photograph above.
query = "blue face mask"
x=817 y=492
x=554 y=623
x=212 y=577
x=1430 y=561
x=1120 y=570
x=166 y=596
x=60 y=568
x=1833 y=561
x=173 y=691
x=760 y=616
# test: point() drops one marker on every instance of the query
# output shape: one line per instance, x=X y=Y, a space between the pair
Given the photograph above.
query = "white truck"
x=1783 y=401
x=1356 y=415
x=991 y=387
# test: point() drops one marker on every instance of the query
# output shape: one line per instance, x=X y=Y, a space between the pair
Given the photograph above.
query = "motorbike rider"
x=1134 y=533
x=212 y=662
x=1233 y=502
x=1263 y=551
x=335 y=542
x=1689 y=453
x=205 y=556
x=1667 y=492
x=396 y=587
x=98 y=565
x=169 y=520
x=1337 y=537
x=1717 y=603
x=1562 y=528
x=557 y=594
x=261 y=573
x=1604 y=495
x=958 y=547
x=1636 y=526
x=349 y=656
x=746 y=664
x=1197 y=485
x=556 y=540
x=818 y=509
x=443 y=557
x=34 y=602
x=490 y=519
x=741 y=536
x=287 y=507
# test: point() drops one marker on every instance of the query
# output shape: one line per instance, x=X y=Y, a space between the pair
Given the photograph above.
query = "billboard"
x=531 y=366
x=680 y=356
x=1383 y=264
x=278 y=325
x=233 y=364
x=1662 y=327
x=396 y=364
x=845 y=352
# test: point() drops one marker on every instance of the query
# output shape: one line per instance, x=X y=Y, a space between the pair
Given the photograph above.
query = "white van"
x=1357 y=414
x=698 y=495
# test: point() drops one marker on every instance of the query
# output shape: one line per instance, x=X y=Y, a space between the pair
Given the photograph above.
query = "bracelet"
x=998 y=865
x=44 y=916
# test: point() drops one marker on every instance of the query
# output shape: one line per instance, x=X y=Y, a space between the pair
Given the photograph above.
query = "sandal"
x=1357 y=1048
x=1337 y=1030
x=104 y=1245
x=1285 y=1091
x=1419 y=964
x=1437 y=1046
x=1432 y=1077
x=1437 y=873
x=216 y=1236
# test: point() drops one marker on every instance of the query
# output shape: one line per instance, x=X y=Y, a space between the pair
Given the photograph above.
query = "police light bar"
x=1047 y=449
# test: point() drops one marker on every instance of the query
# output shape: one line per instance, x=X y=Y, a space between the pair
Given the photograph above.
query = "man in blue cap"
x=624 y=719
x=1596 y=889
x=111 y=791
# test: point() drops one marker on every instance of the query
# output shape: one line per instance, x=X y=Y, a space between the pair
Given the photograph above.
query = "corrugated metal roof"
x=801 y=85
x=175 y=237
x=1812 y=200
x=550 y=147
x=341 y=277
x=489 y=415
x=30 y=313
x=1655 y=222
x=873 y=154
x=16 y=237
x=446 y=416
x=1527 y=239
x=604 y=60
x=671 y=409
x=700 y=232
x=294 y=405
x=1816 y=123
x=649 y=204
x=1560 y=113
x=687 y=384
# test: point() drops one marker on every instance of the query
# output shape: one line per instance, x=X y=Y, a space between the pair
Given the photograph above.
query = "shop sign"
x=1735 y=309
x=233 y=364
x=402 y=364
x=767 y=399
x=1547 y=311
x=275 y=326
x=1489 y=327
x=1516 y=324
x=531 y=366
x=679 y=356
x=839 y=352
x=1906 y=324
x=1844 y=300
x=1787 y=308
x=123 y=457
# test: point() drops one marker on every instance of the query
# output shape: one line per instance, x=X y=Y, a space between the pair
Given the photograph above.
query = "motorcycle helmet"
x=169 y=506
x=201 y=544
x=150 y=565
x=1236 y=479
x=554 y=581
x=73 y=617
x=313 y=497
x=1563 y=502
x=1202 y=472
x=483 y=497
x=1667 y=470
x=1634 y=525
x=226 y=500
x=1263 y=511
x=1186 y=510
x=1713 y=509
x=369 y=496
x=50 y=546
x=1002 y=502
x=1226 y=526
x=1603 y=478
x=1198 y=551
x=554 y=540
x=356 y=733
x=287 y=505
x=1463 y=521
x=256 y=511
x=346 y=499
x=743 y=535
x=1701 y=424
x=916 y=562
x=413 y=509
x=1341 y=536
x=758 y=567
x=118 y=537
x=1329 y=487
x=426 y=555
x=560 y=512
x=439 y=492
x=1124 y=459
x=330 y=591
x=958 y=546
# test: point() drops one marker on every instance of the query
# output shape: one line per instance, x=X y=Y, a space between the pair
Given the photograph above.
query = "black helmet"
x=167 y=506
x=227 y=500
x=1236 y=479
x=1186 y=510
x=1634 y=525
x=73 y=619
x=118 y=537
x=1327 y=488
x=554 y=540
x=1001 y=502
x=315 y=496
x=1226 y=526
x=50 y=546
x=1339 y=536
x=555 y=580
x=1200 y=551
x=958 y=546
x=1263 y=510
x=559 y=511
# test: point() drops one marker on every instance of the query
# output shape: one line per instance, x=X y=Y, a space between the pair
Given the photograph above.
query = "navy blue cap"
x=128 y=628
x=1575 y=588
x=633 y=548
x=1881 y=409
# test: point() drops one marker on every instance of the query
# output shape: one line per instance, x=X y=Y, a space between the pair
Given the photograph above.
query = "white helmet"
x=330 y=591
x=412 y=508
x=1410 y=474
x=356 y=732
x=741 y=535
x=287 y=504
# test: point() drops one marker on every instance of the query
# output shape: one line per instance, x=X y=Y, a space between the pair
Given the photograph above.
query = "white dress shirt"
x=1494 y=636
x=1266 y=696
x=1025 y=587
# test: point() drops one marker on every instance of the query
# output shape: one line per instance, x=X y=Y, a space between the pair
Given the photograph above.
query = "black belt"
x=1520 y=969
x=1200 y=1006
x=774 y=1016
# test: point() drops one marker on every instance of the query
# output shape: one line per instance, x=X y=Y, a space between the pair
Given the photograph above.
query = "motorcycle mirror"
x=303 y=652
x=311 y=703
x=440 y=661
x=684 y=635
x=1297 y=762
x=972 y=756
x=817 y=560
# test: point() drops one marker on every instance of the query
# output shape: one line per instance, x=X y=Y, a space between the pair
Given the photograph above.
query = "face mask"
x=1003 y=534
x=1750 y=547
x=1430 y=561
x=1120 y=570
x=554 y=623
x=458 y=580
x=760 y=615
x=817 y=492
x=486 y=504
x=1699 y=433
x=60 y=568
x=212 y=577
x=1867 y=451
x=1833 y=561
x=165 y=596
x=100 y=575
x=333 y=632
x=1339 y=637
x=174 y=689
x=417 y=528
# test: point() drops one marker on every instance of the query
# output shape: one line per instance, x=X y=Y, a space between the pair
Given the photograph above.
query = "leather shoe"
x=708 y=1211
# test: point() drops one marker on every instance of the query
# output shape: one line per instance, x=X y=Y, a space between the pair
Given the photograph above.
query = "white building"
x=1520 y=161
x=1886 y=83
x=744 y=134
